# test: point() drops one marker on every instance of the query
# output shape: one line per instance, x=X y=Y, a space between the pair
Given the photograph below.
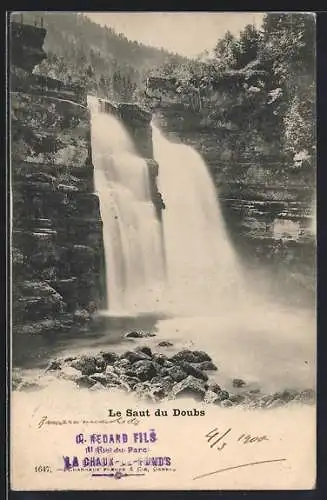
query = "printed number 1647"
x=42 y=468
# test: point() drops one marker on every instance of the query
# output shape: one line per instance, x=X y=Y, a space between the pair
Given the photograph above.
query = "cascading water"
x=202 y=267
x=212 y=304
x=131 y=230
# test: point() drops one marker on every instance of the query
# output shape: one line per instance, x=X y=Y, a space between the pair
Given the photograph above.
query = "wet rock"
x=184 y=355
x=168 y=364
x=254 y=391
x=201 y=356
x=222 y=395
x=286 y=395
x=111 y=374
x=100 y=363
x=191 y=356
x=210 y=397
x=144 y=370
x=121 y=365
x=145 y=350
x=275 y=403
x=70 y=358
x=85 y=382
x=237 y=398
x=139 y=335
x=164 y=383
x=133 y=356
x=109 y=357
x=190 y=386
x=207 y=366
x=162 y=360
x=176 y=373
x=130 y=381
x=191 y=370
x=214 y=388
x=54 y=365
x=238 y=382
x=86 y=364
x=165 y=343
x=70 y=373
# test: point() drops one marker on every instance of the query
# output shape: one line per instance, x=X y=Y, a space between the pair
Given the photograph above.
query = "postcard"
x=163 y=250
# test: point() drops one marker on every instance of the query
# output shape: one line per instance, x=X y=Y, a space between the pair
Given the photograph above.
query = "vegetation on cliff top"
x=263 y=81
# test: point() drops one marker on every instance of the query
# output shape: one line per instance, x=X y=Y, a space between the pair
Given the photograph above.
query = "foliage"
x=83 y=52
x=262 y=81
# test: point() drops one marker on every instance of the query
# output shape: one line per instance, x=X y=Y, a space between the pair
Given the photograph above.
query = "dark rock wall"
x=137 y=122
x=57 y=247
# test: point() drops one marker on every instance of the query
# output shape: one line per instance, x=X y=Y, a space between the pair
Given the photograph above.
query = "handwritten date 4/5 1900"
x=219 y=439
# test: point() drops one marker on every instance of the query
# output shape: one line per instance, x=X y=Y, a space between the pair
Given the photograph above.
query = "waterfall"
x=203 y=272
x=131 y=230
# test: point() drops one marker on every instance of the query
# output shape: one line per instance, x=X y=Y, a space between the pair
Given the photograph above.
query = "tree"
x=227 y=51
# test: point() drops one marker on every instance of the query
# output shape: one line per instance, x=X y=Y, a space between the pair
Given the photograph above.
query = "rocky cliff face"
x=266 y=205
x=57 y=249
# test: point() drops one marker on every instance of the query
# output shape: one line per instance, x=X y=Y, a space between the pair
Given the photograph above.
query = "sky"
x=187 y=33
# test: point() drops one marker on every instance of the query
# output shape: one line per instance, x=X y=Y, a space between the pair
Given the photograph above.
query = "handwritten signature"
x=218 y=440
x=46 y=421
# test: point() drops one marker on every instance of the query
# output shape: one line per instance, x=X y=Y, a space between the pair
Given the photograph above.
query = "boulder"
x=145 y=350
x=185 y=355
x=121 y=365
x=86 y=364
x=214 y=388
x=100 y=363
x=190 y=386
x=163 y=383
x=130 y=381
x=191 y=356
x=144 y=370
x=201 y=356
x=206 y=366
x=238 y=382
x=286 y=396
x=133 y=356
x=191 y=370
x=139 y=335
x=176 y=373
x=210 y=397
x=161 y=359
x=222 y=395
x=165 y=343
x=109 y=357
